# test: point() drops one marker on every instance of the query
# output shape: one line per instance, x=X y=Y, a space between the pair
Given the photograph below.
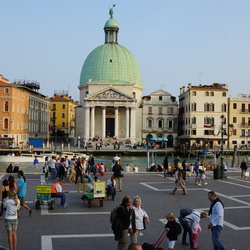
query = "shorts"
x=21 y=199
x=171 y=243
x=11 y=225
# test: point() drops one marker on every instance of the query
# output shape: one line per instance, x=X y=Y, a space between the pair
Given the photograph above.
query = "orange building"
x=14 y=107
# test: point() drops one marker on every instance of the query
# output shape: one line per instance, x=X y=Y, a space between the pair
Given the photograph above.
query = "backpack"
x=184 y=212
x=113 y=215
x=178 y=227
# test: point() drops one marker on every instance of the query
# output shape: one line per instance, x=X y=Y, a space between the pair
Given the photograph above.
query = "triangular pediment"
x=109 y=94
x=160 y=92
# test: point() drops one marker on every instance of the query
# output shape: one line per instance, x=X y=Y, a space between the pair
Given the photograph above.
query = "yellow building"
x=14 y=103
x=62 y=116
x=239 y=117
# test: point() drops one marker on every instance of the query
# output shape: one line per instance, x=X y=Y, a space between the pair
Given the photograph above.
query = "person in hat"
x=180 y=180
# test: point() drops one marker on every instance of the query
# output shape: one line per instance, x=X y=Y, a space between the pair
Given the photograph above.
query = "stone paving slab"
x=80 y=227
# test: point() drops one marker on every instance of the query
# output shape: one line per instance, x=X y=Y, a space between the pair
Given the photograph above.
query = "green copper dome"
x=111 y=23
x=111 y=62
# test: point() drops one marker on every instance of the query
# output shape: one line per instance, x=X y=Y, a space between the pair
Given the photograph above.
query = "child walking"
x=173 y=229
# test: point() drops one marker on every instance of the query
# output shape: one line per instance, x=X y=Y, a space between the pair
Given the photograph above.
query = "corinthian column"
x=86 y=125
x=127 y=122
x=92 y=122
x=132 y=124
x=116 y=121
x=103 y=122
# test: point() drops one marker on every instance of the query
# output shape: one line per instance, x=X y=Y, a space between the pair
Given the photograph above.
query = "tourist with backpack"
x=173 y=229
x=186 y=227
x=194 y=221
x=120 y=222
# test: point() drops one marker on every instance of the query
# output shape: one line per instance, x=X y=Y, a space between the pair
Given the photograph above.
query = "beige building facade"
x=160 y=116
x=200 y=109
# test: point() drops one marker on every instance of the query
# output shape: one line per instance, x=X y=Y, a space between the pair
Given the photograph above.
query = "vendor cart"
x=44 y=197
x=93 y=193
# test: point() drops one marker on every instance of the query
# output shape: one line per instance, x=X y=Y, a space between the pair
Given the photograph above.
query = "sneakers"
x=199 y=184
x=205 y=183
x=66 y=205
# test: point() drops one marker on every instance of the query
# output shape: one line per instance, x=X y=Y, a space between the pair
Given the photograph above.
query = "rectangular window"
x=160 y=124
x=63 y=115
x=6 y=91
x=63 y=124
x=234 y=119
x=54 y=107
x=150 y=110
x=243 y=107
x=160 y=111
x=160 y=98
x=170 y=124
x=234 y=105
x=150 y=123
x=63 y=106
x=193 y=132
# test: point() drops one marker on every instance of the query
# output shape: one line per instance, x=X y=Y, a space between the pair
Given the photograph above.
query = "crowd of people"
x=131 y=216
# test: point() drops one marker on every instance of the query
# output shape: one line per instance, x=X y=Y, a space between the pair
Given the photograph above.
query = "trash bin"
x=217 y=172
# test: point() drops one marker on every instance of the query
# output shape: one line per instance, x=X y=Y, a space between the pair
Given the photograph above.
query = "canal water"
x=141 y=162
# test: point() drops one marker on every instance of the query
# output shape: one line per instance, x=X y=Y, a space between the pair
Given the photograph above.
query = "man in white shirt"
x=111 y=187
x=52 y=164
x=216 y=213
x=116 y=158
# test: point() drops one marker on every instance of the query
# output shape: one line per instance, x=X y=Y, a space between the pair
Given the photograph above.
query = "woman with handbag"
x=139 y=218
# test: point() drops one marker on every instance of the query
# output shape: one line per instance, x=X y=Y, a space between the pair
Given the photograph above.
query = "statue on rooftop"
x=111 y=11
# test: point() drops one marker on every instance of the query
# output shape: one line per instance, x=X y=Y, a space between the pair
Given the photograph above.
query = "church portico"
x=109 y=121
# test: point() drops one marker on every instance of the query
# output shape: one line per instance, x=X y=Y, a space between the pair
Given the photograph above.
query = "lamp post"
x=55 y=137
x=222 y=167
x=79 y=138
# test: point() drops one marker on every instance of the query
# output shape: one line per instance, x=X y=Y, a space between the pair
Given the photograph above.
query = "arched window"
x=160 y=123
x=150 y=123
x=6 y=123
x=224 y=94
x=206 y=93
x=212 y=94
x=194 y=93
x=6 y=106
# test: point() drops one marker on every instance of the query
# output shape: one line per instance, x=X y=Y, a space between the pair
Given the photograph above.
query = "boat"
x=207 y=154
x=12 y=158
x=74 y=155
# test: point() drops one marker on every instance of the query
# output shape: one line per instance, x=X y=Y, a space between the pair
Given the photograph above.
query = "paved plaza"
x=80 y=227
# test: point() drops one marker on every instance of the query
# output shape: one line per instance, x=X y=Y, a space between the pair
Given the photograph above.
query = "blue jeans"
x=93 y=169
x=53 y=173
x=62 y=196
x=216 y=238
x=186 y=229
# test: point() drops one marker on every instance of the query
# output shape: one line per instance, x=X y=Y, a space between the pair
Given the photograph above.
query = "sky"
x=175 y=42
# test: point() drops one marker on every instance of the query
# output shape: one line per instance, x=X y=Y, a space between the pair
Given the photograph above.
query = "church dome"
x=111 y=62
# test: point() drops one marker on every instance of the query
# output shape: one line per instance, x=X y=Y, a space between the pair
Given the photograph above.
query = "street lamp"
x=79 y=138
x=222 y=167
